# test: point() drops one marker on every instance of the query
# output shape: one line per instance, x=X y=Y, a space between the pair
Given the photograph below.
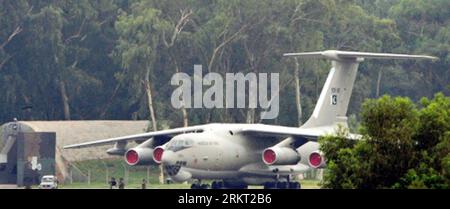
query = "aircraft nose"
x=168 y=158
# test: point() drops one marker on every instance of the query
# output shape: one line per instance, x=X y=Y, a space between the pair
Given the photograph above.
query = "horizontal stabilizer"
x=343 y=55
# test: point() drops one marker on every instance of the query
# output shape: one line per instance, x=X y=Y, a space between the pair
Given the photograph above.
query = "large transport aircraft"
x=238 y=155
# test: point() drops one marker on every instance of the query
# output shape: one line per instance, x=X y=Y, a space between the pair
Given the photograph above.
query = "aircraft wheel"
x=214 y=185
x=269 y=185
x=294 y=185
x=282 y=185
x=217 y=185
x=231 y=185
x=220 y=185
x=195 y=186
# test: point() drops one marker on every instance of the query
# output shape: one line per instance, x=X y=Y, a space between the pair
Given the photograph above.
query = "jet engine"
x=140 y=156
x=157 y=154
x=316 y=160
x=280 y=156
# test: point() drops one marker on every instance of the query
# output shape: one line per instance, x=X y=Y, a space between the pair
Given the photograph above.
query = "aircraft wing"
x=282 y=131
x=143 y=136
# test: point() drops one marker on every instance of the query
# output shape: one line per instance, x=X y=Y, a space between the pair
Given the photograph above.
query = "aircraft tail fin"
x=331 y=108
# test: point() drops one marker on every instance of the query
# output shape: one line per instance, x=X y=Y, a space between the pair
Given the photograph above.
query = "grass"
x=101 y=170
x=310 y=184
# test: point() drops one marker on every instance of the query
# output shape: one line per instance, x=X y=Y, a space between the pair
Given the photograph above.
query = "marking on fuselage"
x=334 y=99
x=207 y=143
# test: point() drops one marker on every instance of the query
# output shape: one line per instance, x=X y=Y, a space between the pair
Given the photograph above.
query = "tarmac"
x=9 y=186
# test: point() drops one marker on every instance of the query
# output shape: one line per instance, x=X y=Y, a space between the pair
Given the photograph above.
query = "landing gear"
x=227 y=185
x=294 y=185
x=270 y=185
x=199 y=185
x=282 y=185
x=217 y=185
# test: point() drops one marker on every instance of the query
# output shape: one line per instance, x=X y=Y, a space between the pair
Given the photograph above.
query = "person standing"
x=121 y=184
x=112 y=183
x=144 y=184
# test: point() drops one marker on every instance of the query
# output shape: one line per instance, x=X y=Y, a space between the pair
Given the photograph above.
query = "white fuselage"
x=219 y=153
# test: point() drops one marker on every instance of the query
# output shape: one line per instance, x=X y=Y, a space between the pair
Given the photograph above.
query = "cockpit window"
x=188 y=142
x=180 y=144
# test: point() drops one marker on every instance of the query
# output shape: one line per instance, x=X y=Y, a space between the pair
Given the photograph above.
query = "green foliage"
x=402 y=147
x=425 y=177
x=137 y=47
x=101 y=50
x=434 y=121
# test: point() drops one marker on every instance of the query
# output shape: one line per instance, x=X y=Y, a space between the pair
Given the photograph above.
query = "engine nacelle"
x=316 y=160
x=157 y=154
x=280 y=156
x=139 y=156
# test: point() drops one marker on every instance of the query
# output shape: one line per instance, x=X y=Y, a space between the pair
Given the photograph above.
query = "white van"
x=49 y=182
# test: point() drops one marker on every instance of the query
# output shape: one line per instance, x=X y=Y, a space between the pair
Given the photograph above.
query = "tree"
x=140 y=32
x=424 y=27
x=137 y=50
x=300 y=36
x=392 y=153
x=44 y=61
x=433 y=146
x=13 y=15
x=176 y=17
x=90 y=80
x=88 y=36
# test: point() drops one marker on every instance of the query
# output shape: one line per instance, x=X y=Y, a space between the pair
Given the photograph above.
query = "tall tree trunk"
x=298 y=93
x=148 y=90
x=183 y=108
x=65 y=99
x=184 y=19
x=380 y=74
x=110 y=101
x=185 y=117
